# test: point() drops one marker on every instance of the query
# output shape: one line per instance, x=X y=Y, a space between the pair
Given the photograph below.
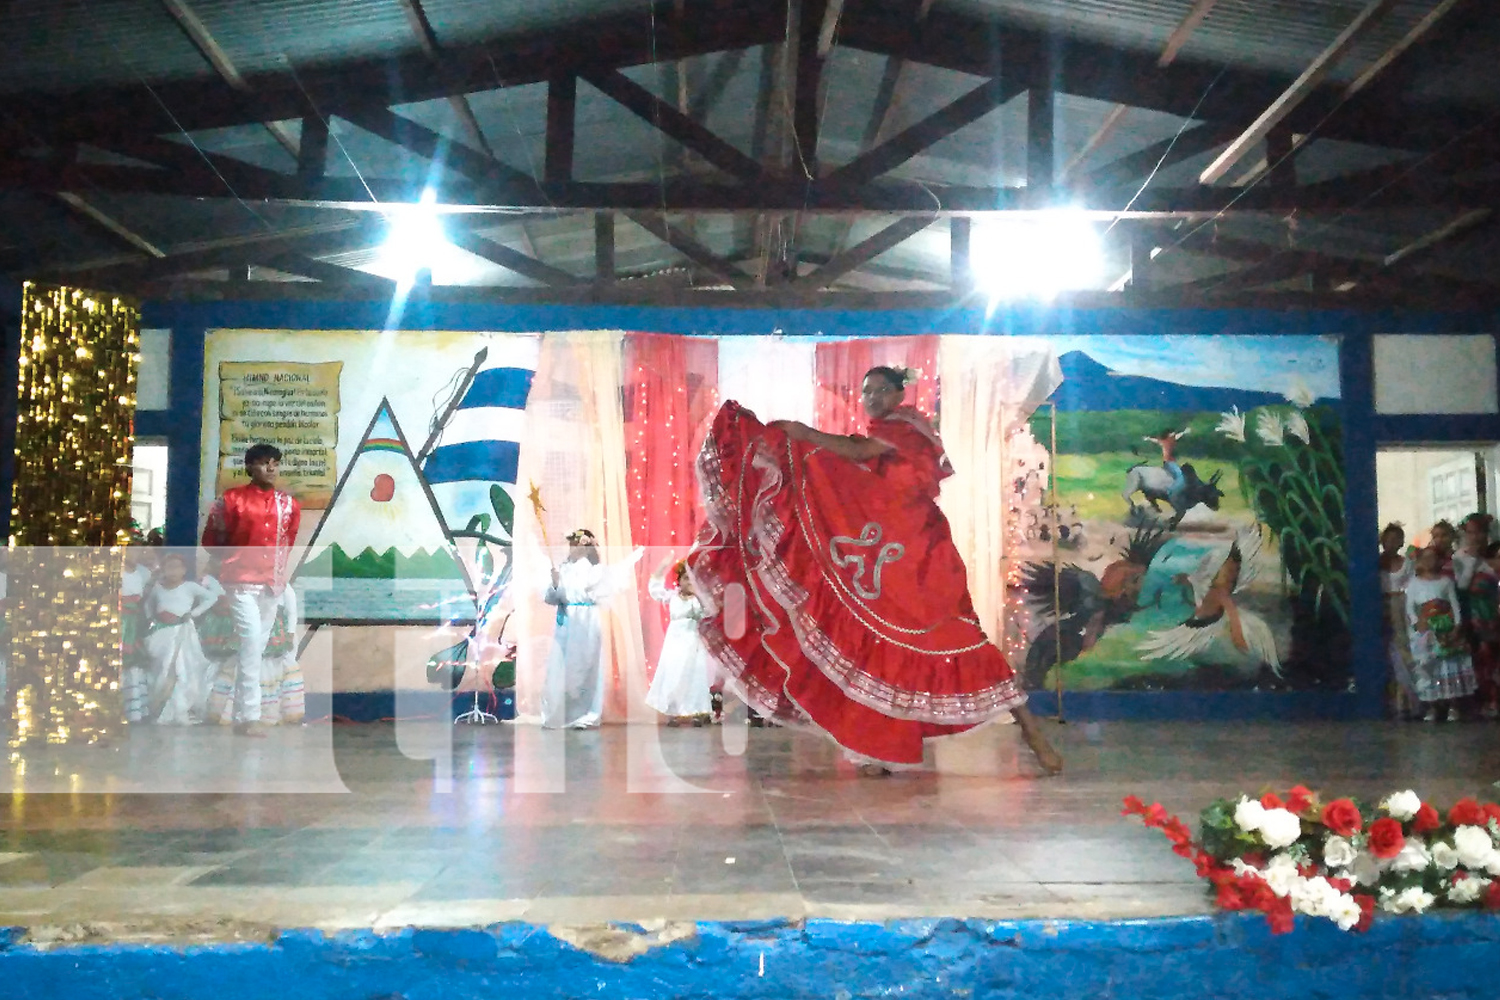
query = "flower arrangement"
x=1341 y=860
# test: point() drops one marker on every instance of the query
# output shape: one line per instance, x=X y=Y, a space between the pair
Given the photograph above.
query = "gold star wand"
x=535 y=496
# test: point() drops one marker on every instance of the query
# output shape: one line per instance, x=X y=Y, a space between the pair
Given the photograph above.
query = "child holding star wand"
x=573 y=688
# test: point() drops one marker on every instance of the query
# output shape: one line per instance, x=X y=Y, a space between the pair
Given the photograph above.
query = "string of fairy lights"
x=71 y=511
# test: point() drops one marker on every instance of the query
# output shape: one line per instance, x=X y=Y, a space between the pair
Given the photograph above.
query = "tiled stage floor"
x=198 y=833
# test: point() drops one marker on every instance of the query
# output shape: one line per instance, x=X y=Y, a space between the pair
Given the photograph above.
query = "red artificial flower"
x=1299 y=799
x=1492 y=896
x=1342 y=817
x=1467 y=812
x=1254 y=859
x=1279 y=914
x=1307 y=870
x=1366 y=911
x=1133 y=806
x=1341 y=884
x=1427 y=818
x=1386 y=838
x=1271 y=800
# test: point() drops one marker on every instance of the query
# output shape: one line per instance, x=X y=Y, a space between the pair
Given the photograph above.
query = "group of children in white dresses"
x=180 y=651
x=1442 y=620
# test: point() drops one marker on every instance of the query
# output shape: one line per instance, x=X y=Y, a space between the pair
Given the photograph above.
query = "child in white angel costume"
x=573 y=689
x=680 y=688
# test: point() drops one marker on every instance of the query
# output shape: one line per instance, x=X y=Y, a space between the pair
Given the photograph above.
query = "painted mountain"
x=381 y=554
x=1088 y=385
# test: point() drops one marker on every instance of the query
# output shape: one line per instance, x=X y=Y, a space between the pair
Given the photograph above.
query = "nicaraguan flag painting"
x=475 y=439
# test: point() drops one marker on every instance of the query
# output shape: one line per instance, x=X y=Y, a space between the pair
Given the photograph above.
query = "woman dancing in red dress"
x=857 y=617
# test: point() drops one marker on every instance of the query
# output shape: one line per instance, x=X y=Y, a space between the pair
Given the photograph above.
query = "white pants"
x=254 y=616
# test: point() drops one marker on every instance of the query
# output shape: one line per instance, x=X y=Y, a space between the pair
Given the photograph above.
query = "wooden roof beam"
x=1175 y=42
x=865 y=251
x=197 y=32
x=1299 y=90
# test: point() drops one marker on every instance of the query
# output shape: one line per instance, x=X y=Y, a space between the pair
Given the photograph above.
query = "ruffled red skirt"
x=856 y=611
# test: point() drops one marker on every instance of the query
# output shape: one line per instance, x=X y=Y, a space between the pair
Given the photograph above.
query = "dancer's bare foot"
x=874 y=771
x=1048 y=757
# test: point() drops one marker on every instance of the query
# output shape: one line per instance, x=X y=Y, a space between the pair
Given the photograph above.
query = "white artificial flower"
x=1492 y=866
x=1473 y=845
x=1444 y=856
x=1366 y=869
x=1249 y=814
x=1269 y=428
x=1413 y=857
x=1403 y=805
x=1280 y=828
x=1280 y=873
x=1296 y=426
x=1338 y=852
x=1232 y=425
x=1468 y=890
x=1413 y=900
x=1300 y=395
x=1345 y=912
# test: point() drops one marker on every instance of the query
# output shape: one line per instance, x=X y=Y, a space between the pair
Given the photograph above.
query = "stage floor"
x=188 y=834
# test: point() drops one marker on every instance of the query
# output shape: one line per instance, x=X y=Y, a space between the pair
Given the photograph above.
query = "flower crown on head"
x=582 y=536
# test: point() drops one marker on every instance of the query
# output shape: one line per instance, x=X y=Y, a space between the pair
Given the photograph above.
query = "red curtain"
x=841 y=367
x=671 y=392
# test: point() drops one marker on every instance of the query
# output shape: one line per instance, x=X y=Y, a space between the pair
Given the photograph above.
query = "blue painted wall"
x=1363 y=430
x=1226 y=957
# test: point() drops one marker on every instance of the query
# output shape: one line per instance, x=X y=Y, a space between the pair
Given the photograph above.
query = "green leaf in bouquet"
x=1219 y=815
x=505 y=508
x=484 y=559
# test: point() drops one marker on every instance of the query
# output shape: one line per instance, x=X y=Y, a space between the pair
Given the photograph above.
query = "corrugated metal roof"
x=269 y=35
x=72 y=44
x=1283 y=35
x=456 y=21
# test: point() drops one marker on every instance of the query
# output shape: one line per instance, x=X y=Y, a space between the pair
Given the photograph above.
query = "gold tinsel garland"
x=71 y=511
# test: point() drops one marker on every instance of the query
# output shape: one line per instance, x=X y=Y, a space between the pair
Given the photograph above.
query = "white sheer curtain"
x=989 y=387
x=574 y=451
x=773 y=376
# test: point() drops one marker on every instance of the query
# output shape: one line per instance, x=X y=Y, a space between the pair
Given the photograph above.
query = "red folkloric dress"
x=857 y=616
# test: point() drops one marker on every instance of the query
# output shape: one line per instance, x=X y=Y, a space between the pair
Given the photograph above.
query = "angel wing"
x=1181 y=642
x=616 y=577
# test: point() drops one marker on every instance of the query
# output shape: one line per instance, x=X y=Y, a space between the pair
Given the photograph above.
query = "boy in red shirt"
x=251 y=528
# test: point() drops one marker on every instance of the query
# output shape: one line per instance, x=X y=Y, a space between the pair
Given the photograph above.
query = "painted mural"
x=403 y=449
x=1198 y=518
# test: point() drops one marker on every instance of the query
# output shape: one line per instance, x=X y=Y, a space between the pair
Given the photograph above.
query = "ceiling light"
x=1036 y=255
x=414 y=242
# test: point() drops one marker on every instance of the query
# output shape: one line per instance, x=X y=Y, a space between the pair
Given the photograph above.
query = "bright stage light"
x=1036 y=255
x=414 y=242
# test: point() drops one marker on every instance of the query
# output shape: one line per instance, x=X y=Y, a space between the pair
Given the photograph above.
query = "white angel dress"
x=681 y=684
x=573 y=689
x=1213 y=637
x=177 y=670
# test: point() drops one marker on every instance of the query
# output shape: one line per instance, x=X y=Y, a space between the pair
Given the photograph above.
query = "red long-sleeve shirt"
x=253 y=529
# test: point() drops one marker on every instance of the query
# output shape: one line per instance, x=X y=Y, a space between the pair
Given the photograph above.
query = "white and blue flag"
x=477 y=442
